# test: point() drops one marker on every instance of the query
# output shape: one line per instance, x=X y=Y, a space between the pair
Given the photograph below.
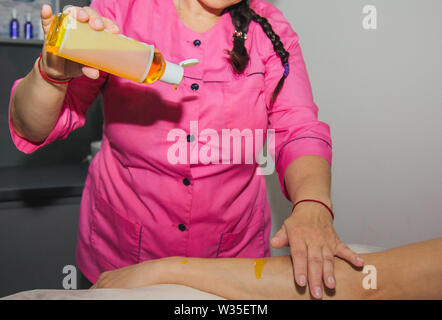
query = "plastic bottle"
x=14 y=29
x=28 y=27
x=112 y=53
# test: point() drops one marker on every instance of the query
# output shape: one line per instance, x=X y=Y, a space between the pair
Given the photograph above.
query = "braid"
x=242 y=14
x=278 y=46
x=241 y=18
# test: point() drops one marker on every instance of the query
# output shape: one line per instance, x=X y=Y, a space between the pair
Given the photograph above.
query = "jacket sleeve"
x=80 y=94
x=294 y=115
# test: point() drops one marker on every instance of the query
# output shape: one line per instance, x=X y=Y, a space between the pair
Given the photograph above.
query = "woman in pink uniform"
x=138 y=205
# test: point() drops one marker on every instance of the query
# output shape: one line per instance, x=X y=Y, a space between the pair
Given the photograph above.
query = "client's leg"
x=407 y=272
x=412 y=271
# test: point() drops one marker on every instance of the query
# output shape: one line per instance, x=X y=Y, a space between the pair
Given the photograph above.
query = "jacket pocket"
x=245 y=103
x=114 y=238
x=247 y=242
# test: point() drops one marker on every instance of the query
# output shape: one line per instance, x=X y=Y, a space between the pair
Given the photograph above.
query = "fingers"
x=328 y=268
x=298 y=250
x=76 y=12
x=344 y=252
x=314 y=261
x=86 y=14
x=90 y=72
x=97 y=22
x=280 y=239
x=315 y=267
x=46 y=12
x=46 y=18
x=111 y=26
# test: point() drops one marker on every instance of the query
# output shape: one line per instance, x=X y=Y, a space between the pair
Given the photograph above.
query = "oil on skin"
x=259 y=266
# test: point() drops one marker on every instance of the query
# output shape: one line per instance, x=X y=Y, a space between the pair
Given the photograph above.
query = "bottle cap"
x=173 y=74
x=28 y=17
x=14 y=13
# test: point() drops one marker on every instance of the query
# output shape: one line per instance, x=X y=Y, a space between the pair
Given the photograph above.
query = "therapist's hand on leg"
x=313 y=244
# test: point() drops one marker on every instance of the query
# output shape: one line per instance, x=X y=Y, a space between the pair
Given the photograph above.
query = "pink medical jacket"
x=137 y=204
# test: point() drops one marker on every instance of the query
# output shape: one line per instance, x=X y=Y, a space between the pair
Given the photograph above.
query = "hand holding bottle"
x=59 y=68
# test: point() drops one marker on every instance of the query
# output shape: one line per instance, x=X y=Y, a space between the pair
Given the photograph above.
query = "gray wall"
x=381 y=93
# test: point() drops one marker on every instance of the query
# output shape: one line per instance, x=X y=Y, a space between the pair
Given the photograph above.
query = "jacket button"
x=182 y=227
x=186 y=182
x=190 y=138
x=195 y=86
x=197 y=43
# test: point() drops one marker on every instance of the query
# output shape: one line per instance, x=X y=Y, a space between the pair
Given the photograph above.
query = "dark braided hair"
x=242 y=14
